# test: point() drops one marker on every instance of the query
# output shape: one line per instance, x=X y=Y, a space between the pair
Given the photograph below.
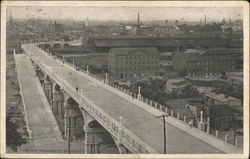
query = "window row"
x=137 y=68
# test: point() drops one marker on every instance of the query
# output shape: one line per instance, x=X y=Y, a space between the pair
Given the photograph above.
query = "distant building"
x=216 y=116
x=232 y=78
x=194 y=62
x=129 y=63
x=166 y=43
x=211 y=98
x=236 y=26
x=164 y=30
x=191 y=108
x=223 y=117
x=56 y=28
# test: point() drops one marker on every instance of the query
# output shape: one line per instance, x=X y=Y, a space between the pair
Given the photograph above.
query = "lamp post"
x=139 y=93
x=201 y=119
x=106 y=79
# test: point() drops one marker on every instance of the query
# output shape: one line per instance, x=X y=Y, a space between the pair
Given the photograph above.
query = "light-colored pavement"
x=46 y=136
x=140 y=122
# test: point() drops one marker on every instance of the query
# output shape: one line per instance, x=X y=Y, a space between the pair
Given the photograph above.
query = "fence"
x=127 y=94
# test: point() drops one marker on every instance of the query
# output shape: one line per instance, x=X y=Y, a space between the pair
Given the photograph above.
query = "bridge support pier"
x=93 y=139
x=48 y=89
x=57 y=104
x=97 y=138
x=70 y=115
x=40 y=76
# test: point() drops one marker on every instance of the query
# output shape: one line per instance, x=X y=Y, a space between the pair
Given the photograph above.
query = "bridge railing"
x=222 y=135
x=132 y=142
x=237 y=142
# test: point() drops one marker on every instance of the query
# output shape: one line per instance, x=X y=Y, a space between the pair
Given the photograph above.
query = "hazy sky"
x=126 y=13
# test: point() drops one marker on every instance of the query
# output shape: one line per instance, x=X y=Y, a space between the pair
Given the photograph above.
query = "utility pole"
x=93 y=141
x=69 y=135
x=164 y=130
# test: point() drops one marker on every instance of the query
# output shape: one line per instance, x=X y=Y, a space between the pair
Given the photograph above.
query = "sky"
x=80 y=13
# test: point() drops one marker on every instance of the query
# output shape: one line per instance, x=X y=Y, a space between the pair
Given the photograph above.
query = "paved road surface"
x=46 y=136
x=142 y=123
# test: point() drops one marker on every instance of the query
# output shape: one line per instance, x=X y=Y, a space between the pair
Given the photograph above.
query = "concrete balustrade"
x=172 y=112
x=208 y=129
x=216 y=133
x=166 y=109
x=185 y=119
x=161 y=107
x=236 y=142
x=226 y=137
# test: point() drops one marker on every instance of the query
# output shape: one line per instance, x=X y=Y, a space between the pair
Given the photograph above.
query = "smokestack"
x=87 y=22
x=138 y=18
x=205 y=20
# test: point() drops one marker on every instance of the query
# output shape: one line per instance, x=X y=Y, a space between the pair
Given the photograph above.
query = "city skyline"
x=126 y=13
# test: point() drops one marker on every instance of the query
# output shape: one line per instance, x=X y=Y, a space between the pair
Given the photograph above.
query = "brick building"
x=129 y=63
x=194 y=62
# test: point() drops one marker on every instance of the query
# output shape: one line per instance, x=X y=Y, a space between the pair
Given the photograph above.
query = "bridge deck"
x=140 y=122
x=45 y=134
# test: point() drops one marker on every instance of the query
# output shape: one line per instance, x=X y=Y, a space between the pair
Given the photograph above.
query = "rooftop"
x=220 y=97
x=196 y=51
x=235 y=75
x=157 y=37
x=216 y=51
x=134 y=50
x=180 y=104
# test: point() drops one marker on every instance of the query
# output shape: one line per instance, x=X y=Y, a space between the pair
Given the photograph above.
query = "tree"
x=13 y=138
x=188 y=91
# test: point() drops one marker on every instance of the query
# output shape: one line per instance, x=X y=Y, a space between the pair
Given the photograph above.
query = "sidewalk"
x=44 y=132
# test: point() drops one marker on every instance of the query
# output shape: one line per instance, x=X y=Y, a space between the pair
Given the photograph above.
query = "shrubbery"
x=13 y=138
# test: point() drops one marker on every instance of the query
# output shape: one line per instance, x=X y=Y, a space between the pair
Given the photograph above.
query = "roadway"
x=44 y=132
x=140 y=122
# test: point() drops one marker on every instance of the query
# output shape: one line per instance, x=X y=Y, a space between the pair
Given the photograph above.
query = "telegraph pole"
x=69 y=135
x=93 y=141
x=164 y=130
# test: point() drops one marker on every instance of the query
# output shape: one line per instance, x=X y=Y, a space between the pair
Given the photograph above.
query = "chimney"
x=205 y=20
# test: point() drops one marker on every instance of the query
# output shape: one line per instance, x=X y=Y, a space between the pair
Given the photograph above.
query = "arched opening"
x=57 y=87
x=66 y=45
x=75 y=119
x=57 y=45
x=40 y=76
x=100 y=135
x=94 y=124
x=47 y=46
x=47 y=78
x=41 y=46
